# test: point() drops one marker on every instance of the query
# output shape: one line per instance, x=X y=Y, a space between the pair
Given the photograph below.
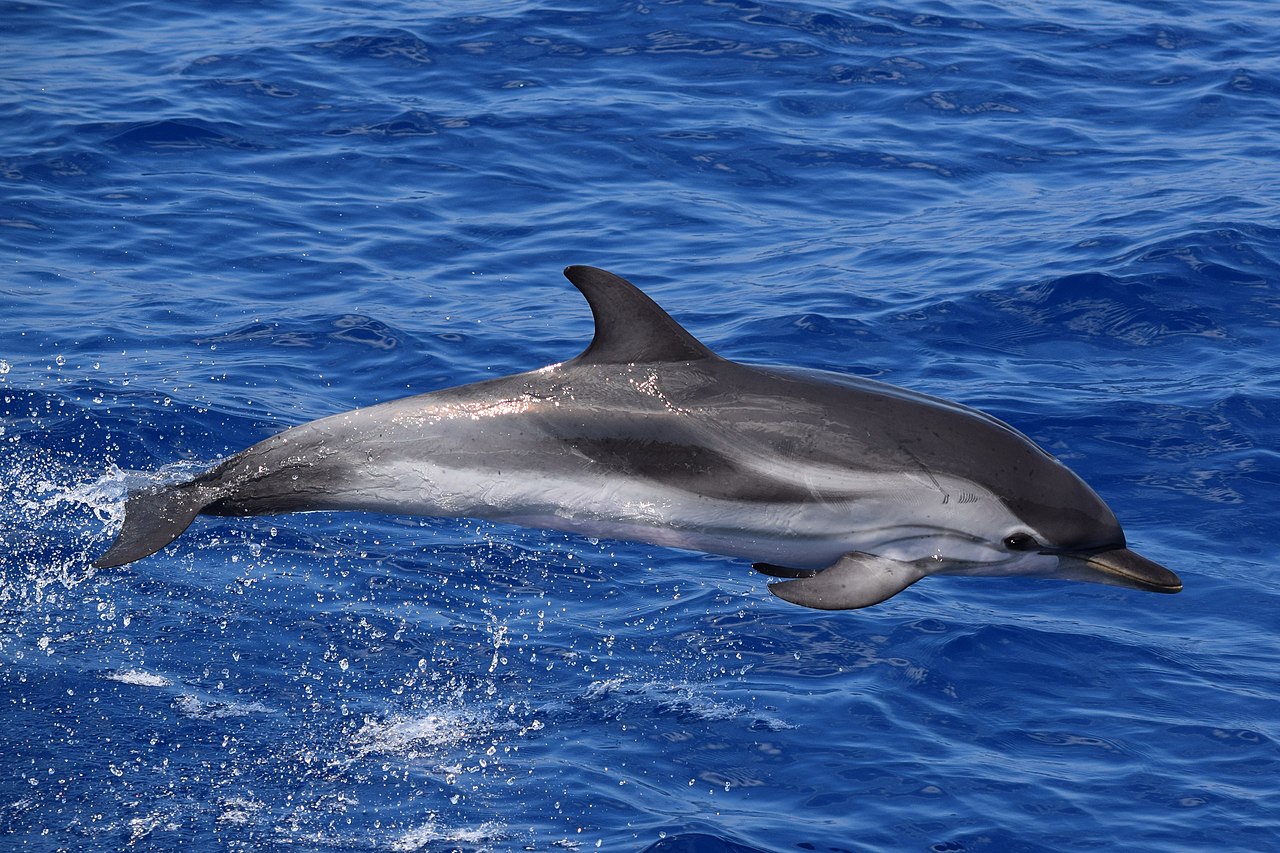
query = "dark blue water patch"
x=347 y=329
x=412 y=123
x=70 y=167
x=698 y=842
x=264 y=88
x=1133 y=311
x=1234 y=253
x=879 y=27
x=175 y=136
x=1173 y=295
x=397 y=47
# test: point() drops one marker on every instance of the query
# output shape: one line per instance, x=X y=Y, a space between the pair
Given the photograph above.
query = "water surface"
x=218 y=220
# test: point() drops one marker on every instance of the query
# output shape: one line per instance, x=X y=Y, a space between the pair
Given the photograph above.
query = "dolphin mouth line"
x=1132 y=569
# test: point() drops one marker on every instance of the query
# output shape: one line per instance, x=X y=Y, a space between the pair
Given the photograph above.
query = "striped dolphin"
x=849 y=490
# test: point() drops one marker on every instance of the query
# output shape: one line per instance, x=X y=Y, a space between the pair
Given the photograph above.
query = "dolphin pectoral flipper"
x=153 y=519
x=855 y=580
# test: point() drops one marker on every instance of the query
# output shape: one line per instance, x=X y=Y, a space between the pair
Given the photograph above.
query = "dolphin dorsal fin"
x=630 y=327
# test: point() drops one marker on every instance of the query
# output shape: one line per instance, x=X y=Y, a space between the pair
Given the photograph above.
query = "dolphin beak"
x=1122 y=567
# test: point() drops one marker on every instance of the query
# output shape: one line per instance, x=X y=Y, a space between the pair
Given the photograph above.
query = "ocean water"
x=218 y=220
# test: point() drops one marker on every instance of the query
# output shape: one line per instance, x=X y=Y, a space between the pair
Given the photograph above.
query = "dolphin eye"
x=1021 y=542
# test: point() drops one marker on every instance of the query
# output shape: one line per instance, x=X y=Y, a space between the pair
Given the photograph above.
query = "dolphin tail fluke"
x=855 y=580
x=152 y=519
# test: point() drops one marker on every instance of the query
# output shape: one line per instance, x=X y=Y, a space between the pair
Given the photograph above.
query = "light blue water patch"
x=218 y=220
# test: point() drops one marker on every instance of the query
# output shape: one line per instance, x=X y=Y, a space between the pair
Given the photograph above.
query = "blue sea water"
x=218 y=220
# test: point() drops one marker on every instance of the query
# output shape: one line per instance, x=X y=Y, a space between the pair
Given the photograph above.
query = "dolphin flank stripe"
x=849 y=489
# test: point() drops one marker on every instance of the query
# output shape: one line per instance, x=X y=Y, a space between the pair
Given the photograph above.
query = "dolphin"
x=845 y=489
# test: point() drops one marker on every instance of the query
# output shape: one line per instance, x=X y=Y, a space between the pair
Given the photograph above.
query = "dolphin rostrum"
x=851 y=490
